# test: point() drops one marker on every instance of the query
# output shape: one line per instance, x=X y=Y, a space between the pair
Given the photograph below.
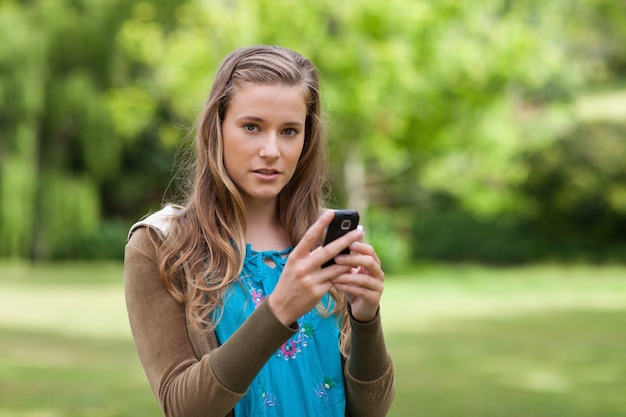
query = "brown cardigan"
x=192 y=375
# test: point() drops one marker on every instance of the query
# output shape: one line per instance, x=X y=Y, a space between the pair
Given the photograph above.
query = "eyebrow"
x=261 y=120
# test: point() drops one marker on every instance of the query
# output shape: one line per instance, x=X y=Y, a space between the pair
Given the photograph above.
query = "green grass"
x=466 y=341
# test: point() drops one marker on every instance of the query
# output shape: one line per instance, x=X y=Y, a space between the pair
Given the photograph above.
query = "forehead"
x=268 y=99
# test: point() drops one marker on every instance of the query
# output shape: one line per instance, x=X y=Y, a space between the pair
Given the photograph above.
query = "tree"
x=432 y=105
x=62 y=140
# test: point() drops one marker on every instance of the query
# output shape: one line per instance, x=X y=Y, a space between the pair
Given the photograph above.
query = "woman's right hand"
x=303 y=281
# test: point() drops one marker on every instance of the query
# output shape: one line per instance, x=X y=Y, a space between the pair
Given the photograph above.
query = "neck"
x=263 y=231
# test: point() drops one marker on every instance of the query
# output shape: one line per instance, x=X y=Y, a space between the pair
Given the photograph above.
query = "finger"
x=360 y=227
x=357 y=295
x=312 y=236
x=333 y=271
x=363 y=281
x=366 y=263
x=368 y=294
x=364 y=249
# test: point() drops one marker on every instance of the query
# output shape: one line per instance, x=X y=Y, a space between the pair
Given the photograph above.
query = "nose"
x=269 y=147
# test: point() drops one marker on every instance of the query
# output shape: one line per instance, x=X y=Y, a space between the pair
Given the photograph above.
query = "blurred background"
x=478 y=130
x=483 y=141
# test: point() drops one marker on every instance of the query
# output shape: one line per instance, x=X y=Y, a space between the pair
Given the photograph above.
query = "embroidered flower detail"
x=321 y=390
x=268 y=399
x=307 y=330
x=290 y=349
x=256 y=293
x=257 y=296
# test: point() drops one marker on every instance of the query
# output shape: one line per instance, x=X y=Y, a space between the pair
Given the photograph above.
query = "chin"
x=261 y=198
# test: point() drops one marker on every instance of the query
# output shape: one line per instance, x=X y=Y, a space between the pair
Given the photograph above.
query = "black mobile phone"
x=343 y=222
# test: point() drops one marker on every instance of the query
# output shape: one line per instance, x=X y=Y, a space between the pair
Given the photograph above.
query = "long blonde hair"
x=205 y=247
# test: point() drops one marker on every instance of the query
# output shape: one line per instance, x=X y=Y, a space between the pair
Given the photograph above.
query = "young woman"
x=230 y=309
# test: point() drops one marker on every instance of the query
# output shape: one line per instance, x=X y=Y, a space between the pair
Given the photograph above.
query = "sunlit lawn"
x=466 y=341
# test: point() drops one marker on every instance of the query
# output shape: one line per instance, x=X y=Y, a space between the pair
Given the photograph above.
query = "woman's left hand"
x=363 y=284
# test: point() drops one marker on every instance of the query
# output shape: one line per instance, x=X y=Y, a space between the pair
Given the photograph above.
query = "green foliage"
x=393 y=245
x=21 y=103
x=73 y=204
x=66 y=125
x=424 y=99
x=578 y=184
x=17 y=196
x=105 y=242
x=455 y=236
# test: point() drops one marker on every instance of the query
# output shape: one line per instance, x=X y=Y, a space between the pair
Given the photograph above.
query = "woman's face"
x=263 y=133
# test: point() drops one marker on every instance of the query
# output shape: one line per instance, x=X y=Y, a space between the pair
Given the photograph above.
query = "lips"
x=266 y=171
x=266 y=174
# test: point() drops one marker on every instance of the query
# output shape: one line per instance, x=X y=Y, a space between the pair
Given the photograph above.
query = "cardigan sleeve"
x=369 y=373
x=183 y=384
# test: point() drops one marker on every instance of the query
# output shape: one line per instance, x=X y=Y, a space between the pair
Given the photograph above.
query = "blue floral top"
x=304 y=377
